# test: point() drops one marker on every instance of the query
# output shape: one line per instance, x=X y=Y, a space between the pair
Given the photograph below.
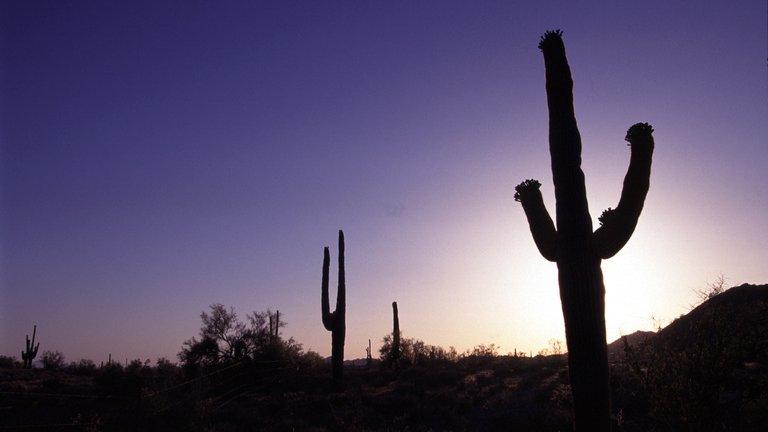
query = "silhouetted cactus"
x=395 y=355
x=29 y=354
x=368 y=356
x=576 y=249
x=277 y=324
x=274 y=327
x=335 y=321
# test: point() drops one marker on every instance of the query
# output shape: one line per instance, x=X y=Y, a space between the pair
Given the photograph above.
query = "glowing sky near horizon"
x=157 y=158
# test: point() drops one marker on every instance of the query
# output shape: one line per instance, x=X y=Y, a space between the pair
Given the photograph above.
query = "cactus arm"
x=341 y=294
x=539 y=220
x=564 y=141
x=619 y=224
x=326 y=309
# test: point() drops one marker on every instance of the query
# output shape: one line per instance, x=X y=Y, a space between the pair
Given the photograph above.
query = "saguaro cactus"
x=368 y=356
x=573 y=246
x=30 y=352
x=335 y=321
x=274 y=326
x=395 y=356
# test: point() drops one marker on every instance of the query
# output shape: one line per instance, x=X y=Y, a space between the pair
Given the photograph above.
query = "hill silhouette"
x=707 y=370
x=738 y=314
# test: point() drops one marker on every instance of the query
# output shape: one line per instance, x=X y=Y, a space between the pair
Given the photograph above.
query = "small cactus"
x=335 y=321
x=368 y=356
x=395 y=354
x=29 y=354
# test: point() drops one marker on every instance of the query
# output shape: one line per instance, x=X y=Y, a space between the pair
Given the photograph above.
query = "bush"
x=415 y=352
x=223 y=338
x=82 y=367
x=9 y=362
x=52 y=360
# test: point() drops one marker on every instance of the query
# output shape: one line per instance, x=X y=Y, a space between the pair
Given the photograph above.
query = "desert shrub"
x=483 y=351
x=82 y=367
x=224 y=339
x=310 y=360
x=9 y=362
x=52 y=360
x=415 y=352
x=109 y=379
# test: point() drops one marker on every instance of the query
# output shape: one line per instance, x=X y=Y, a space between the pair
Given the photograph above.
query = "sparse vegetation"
x=704 y=371
x=52 y=360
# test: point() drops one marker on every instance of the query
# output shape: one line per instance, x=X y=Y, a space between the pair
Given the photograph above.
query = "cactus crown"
x=606 y=216
x=550 y=37
x=638 y=130
x=524 y=189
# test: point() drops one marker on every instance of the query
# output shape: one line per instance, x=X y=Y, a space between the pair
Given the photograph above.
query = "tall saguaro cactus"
x=30 y=352
x=395 y=356
x=335 y=321
x=573 y=246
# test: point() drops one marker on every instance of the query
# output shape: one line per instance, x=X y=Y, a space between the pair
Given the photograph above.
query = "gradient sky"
x=160 y=157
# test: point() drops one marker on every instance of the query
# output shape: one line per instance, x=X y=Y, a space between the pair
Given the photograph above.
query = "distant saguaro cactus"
x=368 y=356
x=29 y=354
x=274 y=326
x=395 y=355
x=335 y=321
x=573 y=246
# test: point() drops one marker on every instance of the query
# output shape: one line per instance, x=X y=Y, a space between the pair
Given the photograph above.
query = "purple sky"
x=157 y=159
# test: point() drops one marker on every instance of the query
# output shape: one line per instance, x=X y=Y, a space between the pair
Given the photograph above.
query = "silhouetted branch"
x=619 y=224
x=539 y=221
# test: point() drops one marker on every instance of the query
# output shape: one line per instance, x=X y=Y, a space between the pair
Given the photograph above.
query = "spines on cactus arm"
x=540 y=222
x=618 y=225
x=324 y=301
x=558 y=72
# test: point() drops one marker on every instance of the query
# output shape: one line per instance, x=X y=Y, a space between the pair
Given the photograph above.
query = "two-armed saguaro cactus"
x=395 y=354
x=335 y=321
x=573 y=246
x=30 y=352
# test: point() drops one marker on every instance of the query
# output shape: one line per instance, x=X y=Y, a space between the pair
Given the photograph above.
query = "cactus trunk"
x=274 y=327
x=576 y=249
x=335 y=321
x=395 y=334
x=582 y=295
